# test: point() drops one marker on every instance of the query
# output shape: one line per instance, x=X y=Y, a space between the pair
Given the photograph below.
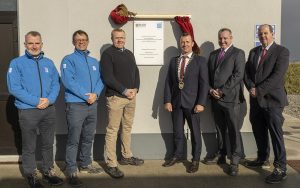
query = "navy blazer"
x=268 y=78
x=228 y=74
x=195 y=84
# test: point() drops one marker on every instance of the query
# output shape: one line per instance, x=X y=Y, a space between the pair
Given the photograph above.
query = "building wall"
x=58 y=19
x=291 y=28
x=8 y=5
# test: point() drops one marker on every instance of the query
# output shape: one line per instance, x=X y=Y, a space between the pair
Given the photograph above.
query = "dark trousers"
x=242 y=114
x=82 y=120
x=227 y=117
x=179 y=115
x=31 y=121
x=264 y=120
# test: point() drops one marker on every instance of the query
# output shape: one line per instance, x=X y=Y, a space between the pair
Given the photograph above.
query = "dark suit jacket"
x=195 y=84
x=268 y=78
x=228 y=74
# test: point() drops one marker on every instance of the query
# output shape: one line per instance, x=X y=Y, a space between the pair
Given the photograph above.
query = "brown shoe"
x=52 y=178
x=131 y=161
x=193 y=167
x=114 y=172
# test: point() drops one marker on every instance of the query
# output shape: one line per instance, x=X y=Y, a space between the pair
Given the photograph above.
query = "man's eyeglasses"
x=81 y=40
x=32 y=43
x=119 y=38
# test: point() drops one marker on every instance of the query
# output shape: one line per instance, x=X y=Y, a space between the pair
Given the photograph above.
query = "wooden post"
x=159 y=16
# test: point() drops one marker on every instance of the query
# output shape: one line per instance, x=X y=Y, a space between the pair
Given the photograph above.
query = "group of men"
x=190 y=80
x=34 y=82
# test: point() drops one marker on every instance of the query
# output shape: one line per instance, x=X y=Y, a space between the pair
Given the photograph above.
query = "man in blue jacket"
x=81 y=78
x=34 y=82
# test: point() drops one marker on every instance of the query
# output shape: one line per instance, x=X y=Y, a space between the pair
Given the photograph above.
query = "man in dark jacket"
x=122 y=79
x=185 y=97
x=226 y=72
x=264 y=78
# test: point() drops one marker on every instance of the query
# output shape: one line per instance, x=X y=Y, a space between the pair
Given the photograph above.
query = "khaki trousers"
x=120 y=113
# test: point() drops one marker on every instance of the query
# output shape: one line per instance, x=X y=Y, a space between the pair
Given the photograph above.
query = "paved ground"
x=153 y=175
x=292 y=137
x=293 y=108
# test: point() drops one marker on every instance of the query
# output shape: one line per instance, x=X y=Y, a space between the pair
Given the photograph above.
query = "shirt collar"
x=225 y=50
x=85 y=52
x=38 y=57
x=267 y=48
x=119 y=49
x=188 y=55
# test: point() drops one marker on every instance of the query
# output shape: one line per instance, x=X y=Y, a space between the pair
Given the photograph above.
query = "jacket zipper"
x=89 y=73
x=41 y=86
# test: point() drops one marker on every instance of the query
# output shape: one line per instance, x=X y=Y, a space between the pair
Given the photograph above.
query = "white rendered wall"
x=56 y=20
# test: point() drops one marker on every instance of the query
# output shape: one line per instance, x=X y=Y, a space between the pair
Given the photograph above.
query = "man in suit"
x=264 y=78
x=226 y=72
x=185 y=96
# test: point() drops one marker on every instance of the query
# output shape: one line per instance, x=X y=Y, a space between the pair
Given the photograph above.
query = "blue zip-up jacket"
x=80 y=75
x=29 y=79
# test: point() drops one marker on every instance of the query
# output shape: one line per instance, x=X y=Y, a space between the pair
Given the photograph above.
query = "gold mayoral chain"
x=181 y=77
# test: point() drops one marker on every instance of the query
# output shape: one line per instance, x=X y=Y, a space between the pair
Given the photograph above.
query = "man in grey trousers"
x=34 y=82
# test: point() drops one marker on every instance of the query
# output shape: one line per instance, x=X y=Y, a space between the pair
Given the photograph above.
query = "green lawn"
x=292 y=79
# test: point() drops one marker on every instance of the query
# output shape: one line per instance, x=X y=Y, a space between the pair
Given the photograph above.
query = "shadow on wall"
x=103 y=48
x=158 y=110
x=99 y=141
x=206 y=48
x=61 y=126
x=12 y=119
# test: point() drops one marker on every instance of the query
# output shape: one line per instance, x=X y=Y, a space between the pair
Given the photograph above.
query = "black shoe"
x=242 y=161
x=193 y=167
x=114 y=172
x=74 y=181
x=277 y=176
x=221 y=160
x=210 y=160
x=131 y=161
x=52 y=178
x=33 y=182
x=258 y=164
x=233 y=170
x=171 y=162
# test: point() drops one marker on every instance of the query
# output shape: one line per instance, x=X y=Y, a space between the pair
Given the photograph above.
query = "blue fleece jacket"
x=29 y=79
x=80 y=75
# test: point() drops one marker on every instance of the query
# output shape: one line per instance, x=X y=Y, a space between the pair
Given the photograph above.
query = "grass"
x=292 y=79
